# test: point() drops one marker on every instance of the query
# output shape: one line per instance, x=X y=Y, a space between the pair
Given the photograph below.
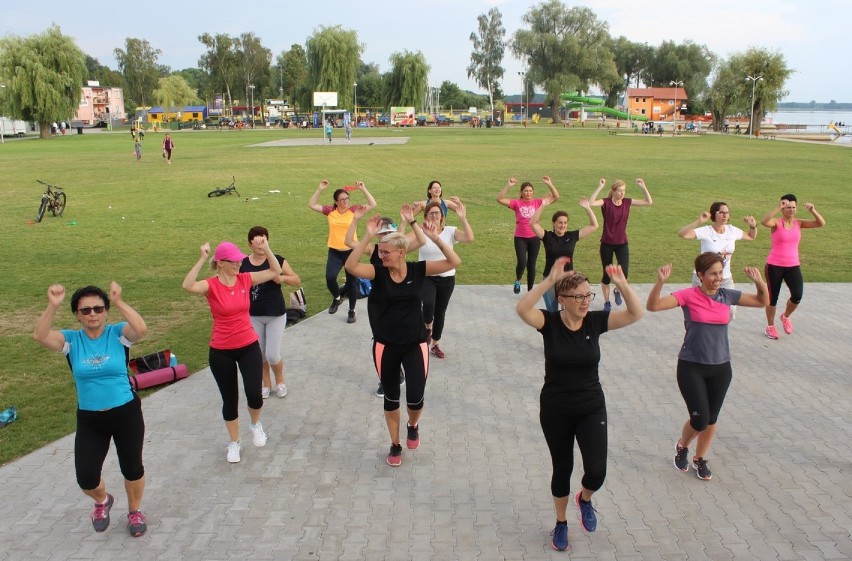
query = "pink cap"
x=226 y=251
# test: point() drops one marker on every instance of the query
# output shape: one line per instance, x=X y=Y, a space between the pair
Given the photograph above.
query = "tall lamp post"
x=355 y=103
x=676 y=84
x=754 y=80
x=251 y=87
x=526 y=109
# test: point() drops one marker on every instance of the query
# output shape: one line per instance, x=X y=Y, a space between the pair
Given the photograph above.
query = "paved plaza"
x=478 y=486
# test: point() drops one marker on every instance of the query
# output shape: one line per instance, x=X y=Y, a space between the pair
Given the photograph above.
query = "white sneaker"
x=234 y=452
x=264 y=392
x=281 y=390
x=258 y=434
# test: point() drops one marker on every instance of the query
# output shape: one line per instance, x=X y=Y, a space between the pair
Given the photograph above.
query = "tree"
x=564 y=49
x=220 y=63
x=333 y=55
x=451 y=96
x=43 y=75
x=293 y=69
x=371 y=90
x=488 y=49
x=102 y=74
x=197 y=79
x=722 y=93
x=175 y=92
x=407 y=80
x=138 y=64
x=630 y=59
x=253 y=61
x=688 y=62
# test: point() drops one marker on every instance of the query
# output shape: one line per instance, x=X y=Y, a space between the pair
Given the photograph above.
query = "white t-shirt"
x=430 y=251
x=723 y=244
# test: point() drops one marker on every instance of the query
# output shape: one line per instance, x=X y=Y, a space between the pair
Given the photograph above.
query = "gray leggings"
x=270 y=333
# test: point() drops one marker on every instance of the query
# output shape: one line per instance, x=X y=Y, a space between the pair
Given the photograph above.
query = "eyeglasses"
x=383 y=253
x=435 y=213
x=342 y=199
x=89 y=309
x=580 y=297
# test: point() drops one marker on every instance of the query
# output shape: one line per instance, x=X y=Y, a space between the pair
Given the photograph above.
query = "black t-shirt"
x=559 y=246
x=395 y=309
x=571 y=363
x=266 y=299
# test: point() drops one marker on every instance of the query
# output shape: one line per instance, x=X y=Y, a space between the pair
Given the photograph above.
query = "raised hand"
x=114 y=292
x=640 y=182
x=749 y=219
x=616 y=274
x=205 y=250
x=406 y=212
x=373 y=225
x=602 y=183
x=56 y=294
x=359 y=185
x=461 y=210
x=512 y=181
x=584 y=202
x=809 y=207
x=546 y=180
x=664 y=272
x=322 y=185
x=704 y=216
x=754 y=274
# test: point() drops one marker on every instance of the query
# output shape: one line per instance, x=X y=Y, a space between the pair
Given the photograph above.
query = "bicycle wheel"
x=216 y=193
x=41 y=208
x=58 y=204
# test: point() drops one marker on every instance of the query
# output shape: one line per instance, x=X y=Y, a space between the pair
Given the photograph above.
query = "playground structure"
x=837 y=134
x=596 y=105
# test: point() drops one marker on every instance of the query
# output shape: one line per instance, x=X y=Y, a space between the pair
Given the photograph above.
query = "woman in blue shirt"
x=107 y=407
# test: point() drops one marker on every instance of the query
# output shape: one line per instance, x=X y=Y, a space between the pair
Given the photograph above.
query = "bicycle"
x=53 y=199
x=232 y=188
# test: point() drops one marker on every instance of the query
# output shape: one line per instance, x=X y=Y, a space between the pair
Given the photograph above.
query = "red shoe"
x=436 y=352
x=771 y=332
x=395 y=455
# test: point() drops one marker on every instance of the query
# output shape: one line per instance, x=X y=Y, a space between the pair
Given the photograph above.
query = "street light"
x=251 y=87
x=526 y=108
x=754 y=80
x=355 y=103
x=676 y=84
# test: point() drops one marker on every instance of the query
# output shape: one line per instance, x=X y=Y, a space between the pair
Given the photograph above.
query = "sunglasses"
x=89 y=309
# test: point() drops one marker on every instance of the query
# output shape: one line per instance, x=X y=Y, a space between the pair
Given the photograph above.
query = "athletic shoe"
x=264 y=392
x=701 y=469
x=771 y=332
x=234 y=452
x=413 y=440
x=351 y=317
x=681 y=461
x=517 y=287
x=587 y=513
x=607 y=306
x=281 y=390
x=334 y=305
x=258 y=435
x=136 y=523
x=428 y=336
x=618 y=299
x=436 y=352
x=100 y=514
x=380 y=391
x=786 y=324
x=560 y=537
x=395 y=455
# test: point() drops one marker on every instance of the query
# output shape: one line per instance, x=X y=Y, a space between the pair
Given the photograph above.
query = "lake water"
x=816 y=121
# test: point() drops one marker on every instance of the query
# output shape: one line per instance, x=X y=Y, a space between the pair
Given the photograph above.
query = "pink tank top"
x=785 y=245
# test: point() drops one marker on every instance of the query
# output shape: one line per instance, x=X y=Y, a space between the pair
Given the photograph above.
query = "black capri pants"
x=125 y=426
x=703 y=387
x=414 y=358
x=336 y=260
x=791 y=276
x=436 y=299
x=526 y=250
x=223 y=365
x=621 y=253
x=560 y=429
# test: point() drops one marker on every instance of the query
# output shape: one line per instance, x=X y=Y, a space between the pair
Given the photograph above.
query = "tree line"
x=562 y=48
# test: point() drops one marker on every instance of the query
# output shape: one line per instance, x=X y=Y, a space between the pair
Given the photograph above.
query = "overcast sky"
x=811 y=35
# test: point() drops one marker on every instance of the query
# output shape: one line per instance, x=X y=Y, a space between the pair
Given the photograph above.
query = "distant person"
x=168 y=146
x=782 y=264
x=347 y=128
x=137 y=149
x=328 y=131
x=527 y=244
x=107 y=407
x=434 y=192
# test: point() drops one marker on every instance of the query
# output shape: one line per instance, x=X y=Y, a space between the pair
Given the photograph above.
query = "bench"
x=613 y=132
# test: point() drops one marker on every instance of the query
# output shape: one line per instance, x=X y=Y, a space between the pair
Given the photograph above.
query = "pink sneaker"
x=786 y=324
x=771 y=332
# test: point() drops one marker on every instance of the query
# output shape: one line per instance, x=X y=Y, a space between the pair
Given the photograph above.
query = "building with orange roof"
x=656 y=103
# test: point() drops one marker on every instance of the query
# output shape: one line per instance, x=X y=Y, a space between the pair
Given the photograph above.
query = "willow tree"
x=43 y=75
x=333 y=56
x=565 y=49
x=175 y=92
x=407 y=79
x=489 y=45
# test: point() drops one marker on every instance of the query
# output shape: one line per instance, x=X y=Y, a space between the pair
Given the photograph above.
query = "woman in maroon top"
x=234 y=341
x=615 y=208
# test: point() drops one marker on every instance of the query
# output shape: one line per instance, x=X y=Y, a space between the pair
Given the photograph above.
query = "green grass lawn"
x=142 y=224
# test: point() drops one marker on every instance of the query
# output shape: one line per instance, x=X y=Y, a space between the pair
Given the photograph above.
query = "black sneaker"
x=395 y=455
x=413 y=440
x=681 y=461
x=351 y=318
x=701 y=469
x=380 y=391
x=334 y=305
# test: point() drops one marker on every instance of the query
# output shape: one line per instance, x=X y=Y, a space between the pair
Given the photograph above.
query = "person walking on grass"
x=704 y=362
x=527 y=245
x=168 y=146
x=782 y=264
x=107 y=407
x=233 y=342
x=615 y=208
x=573 y=407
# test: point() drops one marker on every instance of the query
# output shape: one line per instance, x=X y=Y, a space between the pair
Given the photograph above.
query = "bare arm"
x=633 y=311
x=593 y=219
x=313 y=204
x=535 y=219
x=349 y=240
x=503 y=195
x=288 y=275
x=353 y=265
x=751 y=234
x=594 y=200
x=760 y=299
x=43 y=334
x=818 y=221
x=465 y=234
x=136 y=328
x=525 y=308
x=274 y=270
x=769 y=220
x=655 y=302
x=371 y=202
x=688 y=231
x=190 y=283
x=647 y=201
x=451 y=260
x=554 y=194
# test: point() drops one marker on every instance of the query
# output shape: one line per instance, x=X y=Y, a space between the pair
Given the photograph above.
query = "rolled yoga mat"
x=158 y=377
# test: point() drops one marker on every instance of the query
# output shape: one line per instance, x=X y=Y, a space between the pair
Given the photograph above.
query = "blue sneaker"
x=517 y=287
x=560 y=536
x=607 y=306
x=587 y=513
x=618 y=299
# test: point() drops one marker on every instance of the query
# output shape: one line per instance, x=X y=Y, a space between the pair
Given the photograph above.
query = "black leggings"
x=621 y=252
x=560 y=429
x=703 y=387
x=335 y=262
x=414 y=358
x=223 y=365
x=436 y=298
x=124 y=425
x=791 y=276
x=526 y=250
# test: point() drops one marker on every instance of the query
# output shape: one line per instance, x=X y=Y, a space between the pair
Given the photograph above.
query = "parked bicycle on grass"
x=53 y=199
x=232 y=188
